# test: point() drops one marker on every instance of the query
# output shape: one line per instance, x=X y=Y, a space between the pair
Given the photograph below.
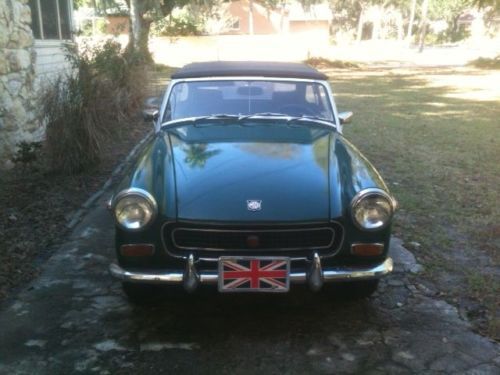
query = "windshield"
x=246 y=97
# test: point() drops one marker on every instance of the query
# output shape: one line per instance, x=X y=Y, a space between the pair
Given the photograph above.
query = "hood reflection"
x=198 y=154
x=272 y=150
x=219 y=167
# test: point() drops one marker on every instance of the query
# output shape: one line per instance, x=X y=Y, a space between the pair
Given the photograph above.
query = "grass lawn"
x=434 y=134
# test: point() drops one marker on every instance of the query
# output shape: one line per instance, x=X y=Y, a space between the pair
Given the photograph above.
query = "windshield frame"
x=331 y=103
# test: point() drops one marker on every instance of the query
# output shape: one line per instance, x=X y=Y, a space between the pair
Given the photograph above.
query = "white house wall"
x=50 y=62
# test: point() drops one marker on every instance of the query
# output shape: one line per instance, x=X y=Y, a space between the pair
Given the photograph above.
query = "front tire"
x=359 y=289
x=140 y=294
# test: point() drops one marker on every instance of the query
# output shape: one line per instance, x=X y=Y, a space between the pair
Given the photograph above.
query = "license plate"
x=254 y=274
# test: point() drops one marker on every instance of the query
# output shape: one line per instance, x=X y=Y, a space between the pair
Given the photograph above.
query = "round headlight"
x=134 y=209
x=372 y=209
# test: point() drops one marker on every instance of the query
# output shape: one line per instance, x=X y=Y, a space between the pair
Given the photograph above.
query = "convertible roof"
x=248 y=69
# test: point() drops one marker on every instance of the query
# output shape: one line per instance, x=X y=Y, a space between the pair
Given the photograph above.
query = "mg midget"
x=249 y=185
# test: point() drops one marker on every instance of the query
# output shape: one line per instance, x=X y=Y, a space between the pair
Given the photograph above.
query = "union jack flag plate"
x=254 y=274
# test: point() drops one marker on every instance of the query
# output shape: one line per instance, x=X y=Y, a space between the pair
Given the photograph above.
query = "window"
x=235 y=24
x=51 y=19
x=247 y=97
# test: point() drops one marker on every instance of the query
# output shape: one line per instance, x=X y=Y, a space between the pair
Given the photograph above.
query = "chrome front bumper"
x=315 y=276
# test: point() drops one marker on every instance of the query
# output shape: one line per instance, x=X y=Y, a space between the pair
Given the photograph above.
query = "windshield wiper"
x=310 y=119
x=264 y=114
x=198 y=119
x=307 y=117
x=289 y=118
x=217 y=116
x=241 y=118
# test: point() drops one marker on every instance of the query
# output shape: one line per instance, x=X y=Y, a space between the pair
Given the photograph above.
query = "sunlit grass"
x=440 y=154
x=472 y=85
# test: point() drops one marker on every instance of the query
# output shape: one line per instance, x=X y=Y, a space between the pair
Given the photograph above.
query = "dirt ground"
x=37 y=206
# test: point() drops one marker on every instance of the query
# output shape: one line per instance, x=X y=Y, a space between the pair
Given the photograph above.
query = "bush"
x=27 y=153
x=322 y=63
x=85 y=109
x=486 y=63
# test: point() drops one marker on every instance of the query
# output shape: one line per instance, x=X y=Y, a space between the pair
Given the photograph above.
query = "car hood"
x=219 y=168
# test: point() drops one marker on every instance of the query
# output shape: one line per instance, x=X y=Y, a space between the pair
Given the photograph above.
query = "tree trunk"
x=282 y=18
x=410 y=24
x=359 y=32
x=139 y=35
x=400 y=27
x=423 y=28
x=377 y=24
x=135 y=21
x=142 y=44
x=250 y=17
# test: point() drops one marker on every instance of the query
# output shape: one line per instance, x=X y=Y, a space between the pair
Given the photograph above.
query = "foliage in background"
x=144 y=12
x=486 y=63
x=449 y=11
x=352 y=19
x=104 y=7
x=175 y=26
x=443 y=17
x=142 y=15
x=495 y=4
x=322 y=63
x=87 y=29
x=85 y=109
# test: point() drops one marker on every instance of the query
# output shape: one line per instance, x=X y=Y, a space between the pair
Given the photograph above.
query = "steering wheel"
x=296 y=110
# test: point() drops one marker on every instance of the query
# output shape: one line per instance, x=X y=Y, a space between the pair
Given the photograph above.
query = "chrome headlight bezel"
x=141 y=194
x=368 y=194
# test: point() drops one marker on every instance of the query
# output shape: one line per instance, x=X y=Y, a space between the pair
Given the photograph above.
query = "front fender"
x=351 y=172
x=154 y=172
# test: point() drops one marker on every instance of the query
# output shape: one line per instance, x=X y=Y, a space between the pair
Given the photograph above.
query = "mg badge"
x=254 y=205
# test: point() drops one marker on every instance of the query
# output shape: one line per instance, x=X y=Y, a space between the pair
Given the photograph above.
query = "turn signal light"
x=367 y=249
x=137 y=250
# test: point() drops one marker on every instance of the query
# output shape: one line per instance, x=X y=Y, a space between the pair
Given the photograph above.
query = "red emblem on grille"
x=253 y=242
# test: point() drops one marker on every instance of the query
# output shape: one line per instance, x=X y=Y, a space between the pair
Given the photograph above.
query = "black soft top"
x=248 y=68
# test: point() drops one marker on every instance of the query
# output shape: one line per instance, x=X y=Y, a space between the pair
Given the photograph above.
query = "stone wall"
x=17 y=73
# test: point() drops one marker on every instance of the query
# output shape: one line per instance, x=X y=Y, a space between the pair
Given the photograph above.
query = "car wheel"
x=359 y=289
x=141 y=294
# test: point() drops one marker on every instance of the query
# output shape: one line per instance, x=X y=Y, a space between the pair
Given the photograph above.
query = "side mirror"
x=345 y=117
x=150 y=114
x=150 y=110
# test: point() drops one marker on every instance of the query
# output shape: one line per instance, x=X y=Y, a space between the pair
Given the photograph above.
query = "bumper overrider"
x=315 y=275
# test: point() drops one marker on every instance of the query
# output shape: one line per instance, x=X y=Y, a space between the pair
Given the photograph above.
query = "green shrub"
x=27 y=153
x=88 y=107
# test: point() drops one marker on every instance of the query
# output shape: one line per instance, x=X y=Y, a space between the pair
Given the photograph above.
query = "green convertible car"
x=249 y=185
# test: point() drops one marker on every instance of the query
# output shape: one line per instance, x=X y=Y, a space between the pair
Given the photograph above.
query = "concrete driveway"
x=75 y=319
